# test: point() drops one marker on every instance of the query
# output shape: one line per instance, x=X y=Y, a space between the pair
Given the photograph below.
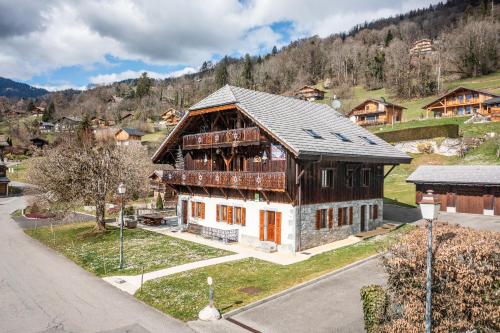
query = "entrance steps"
x=267 y=247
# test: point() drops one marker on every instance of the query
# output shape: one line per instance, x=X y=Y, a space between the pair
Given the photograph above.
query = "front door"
x=184 y=211
x=363 y=217
x=270 y=226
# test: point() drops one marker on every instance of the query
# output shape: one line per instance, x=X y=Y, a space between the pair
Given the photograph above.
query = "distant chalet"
x=460 y=188
x=128 y=137
x=376 y=112
x=309 y=93
x=461 y=101
x=274 y=172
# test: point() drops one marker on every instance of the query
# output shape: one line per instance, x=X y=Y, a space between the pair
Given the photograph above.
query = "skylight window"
x=370 y=141
x=341 y=137
x=313 y=134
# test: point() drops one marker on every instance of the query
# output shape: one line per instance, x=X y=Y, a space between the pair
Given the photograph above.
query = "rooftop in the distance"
x=456 y=174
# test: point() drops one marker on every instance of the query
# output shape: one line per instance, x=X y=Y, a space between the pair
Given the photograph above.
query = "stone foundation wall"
x=309 y=236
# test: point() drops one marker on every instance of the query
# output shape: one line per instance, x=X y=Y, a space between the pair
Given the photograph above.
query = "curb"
x=299 y=286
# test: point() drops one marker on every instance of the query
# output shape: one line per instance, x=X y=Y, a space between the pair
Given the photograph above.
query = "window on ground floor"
x=221 y=213
x=345 y=216
x=239 y=215
x=198 y=210
x=321 y=218
x=373 y=212
x=230 y=214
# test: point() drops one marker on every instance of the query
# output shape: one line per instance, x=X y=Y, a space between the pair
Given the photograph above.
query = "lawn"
x=242 y=282
x=156 y=136
x=20 y=171
x=99 y=252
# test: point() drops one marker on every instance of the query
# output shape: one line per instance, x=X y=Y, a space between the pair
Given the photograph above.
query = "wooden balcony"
x=228 y=138
x=261 y=181
x=380 y=121
x=366 y=112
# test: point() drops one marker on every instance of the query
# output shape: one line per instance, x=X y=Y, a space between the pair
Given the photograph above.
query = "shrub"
x=375 y=303
x=425 y=148
x=159 y=202
x=129 y=210
x=465 y=281
x=421 y=133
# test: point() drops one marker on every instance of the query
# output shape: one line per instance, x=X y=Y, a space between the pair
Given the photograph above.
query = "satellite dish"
x=336 y=104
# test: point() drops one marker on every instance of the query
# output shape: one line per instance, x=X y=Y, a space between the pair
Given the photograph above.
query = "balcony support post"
x=190 y=190
x=242 y=195
x=265 y=196
x=223 y=192
x=206 y=191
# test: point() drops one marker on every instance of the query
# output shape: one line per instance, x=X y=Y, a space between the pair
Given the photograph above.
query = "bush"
x=425 y=148
x=375 y=303
x=465 y=281
x=421 y=133
x=159 y=202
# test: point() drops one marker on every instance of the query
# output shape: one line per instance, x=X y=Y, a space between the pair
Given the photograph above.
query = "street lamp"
x=121 y=192
x=429 y=208
x=209 y=313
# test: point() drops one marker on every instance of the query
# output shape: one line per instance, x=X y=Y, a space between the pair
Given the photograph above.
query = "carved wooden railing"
x=363 y=112
x=379 y=121
x=262 y=181
x=222 y=138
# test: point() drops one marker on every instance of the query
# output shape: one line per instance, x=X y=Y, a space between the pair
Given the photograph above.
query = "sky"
x=56 y=44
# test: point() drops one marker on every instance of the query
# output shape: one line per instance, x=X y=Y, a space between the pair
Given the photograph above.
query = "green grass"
x=20 y=171
x=99 y=252
x=183 y=295
x=156 y=136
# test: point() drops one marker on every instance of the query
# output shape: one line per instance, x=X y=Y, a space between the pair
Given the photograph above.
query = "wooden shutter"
x=277 y=234
x=375 y=212
x=330 y=218
x=350 y=215
x=261 y=224
x=318 y=219
x=230 y=214
x=193 y=204
x=243 y=215
x=203 y=210
x=217 y=213
x=340 y=216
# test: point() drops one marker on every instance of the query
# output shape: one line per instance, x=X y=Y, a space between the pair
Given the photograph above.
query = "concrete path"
x=131 y=283
x=41 y=291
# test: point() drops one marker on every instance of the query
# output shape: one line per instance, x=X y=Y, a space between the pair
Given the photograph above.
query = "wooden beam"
x=206 y=191
x=189 y=189
x=265 y=196
x=212 y=109
x=242 y=195
x=223 y=192
x=289 y=197
x=388 y=172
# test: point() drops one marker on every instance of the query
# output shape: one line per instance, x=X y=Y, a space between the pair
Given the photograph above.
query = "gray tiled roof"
x=287 y=119
x=493 y=100
x=456 y=174
x=133 y=131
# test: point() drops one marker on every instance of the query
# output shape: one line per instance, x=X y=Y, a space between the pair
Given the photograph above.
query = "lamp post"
x=429 y=208
x=121 y=191
x=209 y=313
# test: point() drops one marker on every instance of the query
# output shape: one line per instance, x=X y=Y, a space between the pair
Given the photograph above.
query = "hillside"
x=10 y=88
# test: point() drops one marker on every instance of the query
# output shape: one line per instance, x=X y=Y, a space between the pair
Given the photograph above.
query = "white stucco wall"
x=248 y=234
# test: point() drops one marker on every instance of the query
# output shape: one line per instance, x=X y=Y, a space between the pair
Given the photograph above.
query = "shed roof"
x=491 y=101
x=456 y=174
x=288 y=120
x=131 y=131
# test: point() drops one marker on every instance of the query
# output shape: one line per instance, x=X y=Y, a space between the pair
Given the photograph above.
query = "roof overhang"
x=355 y=158
x=420 y=182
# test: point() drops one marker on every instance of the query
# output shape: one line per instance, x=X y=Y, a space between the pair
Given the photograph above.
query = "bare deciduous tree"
x=86 y=172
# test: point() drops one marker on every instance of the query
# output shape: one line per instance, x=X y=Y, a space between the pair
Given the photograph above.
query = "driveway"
x=42 y=291
x=474 y=221
x=329 y=305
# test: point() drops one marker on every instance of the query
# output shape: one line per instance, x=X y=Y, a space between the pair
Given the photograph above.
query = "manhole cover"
x=306 y=253
x=120 y=281
x=250 y=290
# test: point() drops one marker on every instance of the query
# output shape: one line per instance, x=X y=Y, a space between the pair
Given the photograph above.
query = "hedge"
x=421 y=133
x=375 y=302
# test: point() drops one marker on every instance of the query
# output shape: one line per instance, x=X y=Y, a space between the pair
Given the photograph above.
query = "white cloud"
x=81 y=33
x=129 y=74
x=59 y=87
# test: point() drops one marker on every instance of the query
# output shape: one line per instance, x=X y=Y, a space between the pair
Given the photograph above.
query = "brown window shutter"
x=230 y=214
x=261 y=223
x=278 y=228
x=330 y=218
x=375 y=212
x=243 y=216
x=203 y=210
x=318 y=219
x=340 y=216
x=350 y=215
x=192 y=208
x=217 y=213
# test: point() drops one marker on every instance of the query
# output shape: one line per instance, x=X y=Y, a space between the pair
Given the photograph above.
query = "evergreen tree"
x=388 y=38
x=159 y=202
x=221 y=73
x=275 y=50
x=48 y=113
x=143 y=85
x=30 y=106
x=246 y=74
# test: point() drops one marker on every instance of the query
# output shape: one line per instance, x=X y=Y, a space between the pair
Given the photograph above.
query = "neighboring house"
x=98 y=122
x=493 y=108
x=39 y=142
x=460 y=188
x=4 y=181
x=460 y=101
x=168 y=195
x=38 y=110
x=421 y=47
x=126 y=116
x=309 y=93
x=46 y=127
x=170 y=117
x=128 y=137
x=66 y=124
x=376 y=112
x=259 y=167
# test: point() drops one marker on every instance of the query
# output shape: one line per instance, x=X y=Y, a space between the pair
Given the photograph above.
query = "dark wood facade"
x=463 y=198
x=220 y=152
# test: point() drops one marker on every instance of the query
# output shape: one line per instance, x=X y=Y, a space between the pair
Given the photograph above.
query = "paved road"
x=41 y=291
x=329 y=305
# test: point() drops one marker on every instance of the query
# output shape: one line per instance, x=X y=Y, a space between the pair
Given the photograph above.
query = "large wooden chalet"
x=309 y=93
x=376 y=112
x=460 y=101
x=275 y=172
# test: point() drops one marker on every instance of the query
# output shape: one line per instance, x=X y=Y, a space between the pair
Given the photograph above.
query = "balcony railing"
x=380 y=121
x=262 y=181
x=362 y=112
x=235 y=137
